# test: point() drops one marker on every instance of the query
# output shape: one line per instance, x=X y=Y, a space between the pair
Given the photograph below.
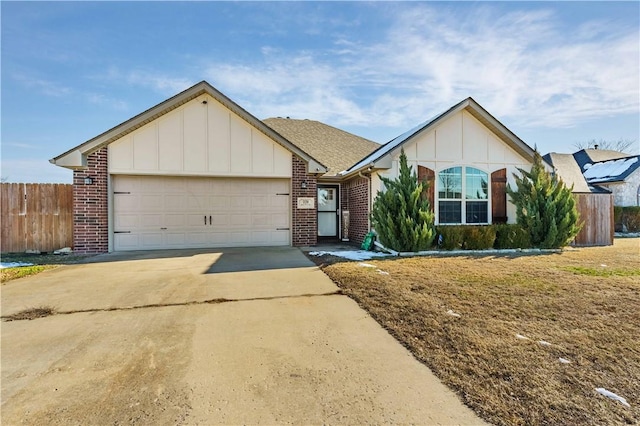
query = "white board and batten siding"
x=461 y=140
x=199 y=176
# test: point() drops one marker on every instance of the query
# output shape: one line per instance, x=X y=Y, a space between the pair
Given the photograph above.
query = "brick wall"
x=355 y=198
x=90 y=208
x=304 y=226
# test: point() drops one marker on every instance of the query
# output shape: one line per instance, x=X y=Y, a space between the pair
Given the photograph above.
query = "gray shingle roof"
x=333 y=147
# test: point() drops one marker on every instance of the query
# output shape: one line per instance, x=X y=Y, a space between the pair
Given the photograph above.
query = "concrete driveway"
x=237 y=336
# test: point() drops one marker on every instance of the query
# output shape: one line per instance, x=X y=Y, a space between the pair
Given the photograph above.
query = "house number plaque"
x=305 y=203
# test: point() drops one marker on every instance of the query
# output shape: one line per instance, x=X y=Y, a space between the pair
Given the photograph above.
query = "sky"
x=554 y=73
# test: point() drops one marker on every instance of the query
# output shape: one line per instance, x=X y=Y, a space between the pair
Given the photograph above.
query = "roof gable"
x=335 y=148
x=381 y=157
x=76 y=158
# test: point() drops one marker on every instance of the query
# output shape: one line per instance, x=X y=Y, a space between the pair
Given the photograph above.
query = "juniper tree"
x=544 y=206
x=401 y=215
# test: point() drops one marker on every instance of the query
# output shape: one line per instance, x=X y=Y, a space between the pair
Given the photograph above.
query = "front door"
x=328 y=211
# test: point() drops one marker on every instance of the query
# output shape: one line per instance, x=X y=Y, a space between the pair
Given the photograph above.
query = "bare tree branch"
x=620 y=145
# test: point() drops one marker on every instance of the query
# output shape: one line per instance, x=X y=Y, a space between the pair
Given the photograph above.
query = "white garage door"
x=152 y=212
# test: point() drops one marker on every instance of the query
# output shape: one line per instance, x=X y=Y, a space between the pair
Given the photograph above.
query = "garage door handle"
x=209 y=220
x=205 y=220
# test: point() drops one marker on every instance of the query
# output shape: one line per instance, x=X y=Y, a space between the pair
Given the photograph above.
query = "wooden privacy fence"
x=35 y=217
x=596 y=213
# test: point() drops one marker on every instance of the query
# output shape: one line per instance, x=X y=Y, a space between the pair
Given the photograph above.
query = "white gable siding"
x=461 y=140
x=199 y=139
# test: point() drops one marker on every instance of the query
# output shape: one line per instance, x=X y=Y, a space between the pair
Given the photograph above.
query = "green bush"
x=631 y=218
x=510 y=236
x=401 y=215
x=466 y=237
x=450 y=237
x=478 y=237
x=545 y=206
x=617 y=218
x=626 y=218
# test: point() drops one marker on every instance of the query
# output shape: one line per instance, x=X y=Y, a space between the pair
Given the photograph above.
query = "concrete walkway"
x=238 y=336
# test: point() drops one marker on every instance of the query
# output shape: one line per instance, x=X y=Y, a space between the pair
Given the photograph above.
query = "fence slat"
x=35 y=217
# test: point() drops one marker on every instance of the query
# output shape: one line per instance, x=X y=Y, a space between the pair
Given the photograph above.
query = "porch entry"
x=328 y=211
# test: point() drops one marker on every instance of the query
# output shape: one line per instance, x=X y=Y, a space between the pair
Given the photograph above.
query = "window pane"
x=450 y=183
x=477 y=187
x=450 y=212
x=477 y=212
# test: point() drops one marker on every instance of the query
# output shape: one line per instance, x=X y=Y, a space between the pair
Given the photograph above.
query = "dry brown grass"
x=585 y=302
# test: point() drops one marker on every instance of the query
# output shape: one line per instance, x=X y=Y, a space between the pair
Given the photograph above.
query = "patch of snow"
x=381 y=272
x=520 y=336
x=609 y=169
x=13 y=264
x=453 y=314
x=366 y=265
x=350 y=254
x=564 y=360
x=603 y=265
x=612 y=395
x=544 y=343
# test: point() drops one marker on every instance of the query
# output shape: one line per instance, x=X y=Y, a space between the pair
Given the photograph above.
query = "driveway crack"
x=46 y=311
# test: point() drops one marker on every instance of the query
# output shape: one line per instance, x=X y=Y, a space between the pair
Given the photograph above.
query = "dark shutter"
x=427 y=175
x=499 y=196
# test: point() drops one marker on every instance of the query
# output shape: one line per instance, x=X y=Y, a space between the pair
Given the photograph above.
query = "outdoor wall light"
x=88 y=181
x=303 y=184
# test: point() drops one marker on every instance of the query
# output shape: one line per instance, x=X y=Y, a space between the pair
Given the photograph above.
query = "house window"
x=463 y=196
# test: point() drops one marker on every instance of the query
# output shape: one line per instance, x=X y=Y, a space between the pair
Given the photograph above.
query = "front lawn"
x=39 y=263
x=523 y=340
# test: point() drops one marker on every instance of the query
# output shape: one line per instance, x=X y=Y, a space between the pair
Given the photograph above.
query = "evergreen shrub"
x=511 y=236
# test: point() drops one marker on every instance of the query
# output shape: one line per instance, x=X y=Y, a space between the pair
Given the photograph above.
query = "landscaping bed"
x=522 y=339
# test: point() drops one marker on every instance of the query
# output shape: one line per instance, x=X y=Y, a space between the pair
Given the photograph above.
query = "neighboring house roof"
x=612 y=170
x=335 y=148
x=76 y=157
x=585 y=156
x=381 y=158
x=568 y=170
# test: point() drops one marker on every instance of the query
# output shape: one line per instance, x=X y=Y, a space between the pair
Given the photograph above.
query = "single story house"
x=197 y=170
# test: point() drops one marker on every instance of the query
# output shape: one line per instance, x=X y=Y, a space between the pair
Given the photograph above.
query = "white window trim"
x=463 y=205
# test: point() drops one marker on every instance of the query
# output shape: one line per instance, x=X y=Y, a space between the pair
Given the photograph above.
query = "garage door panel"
x=151 y=240
x=240 y=220
x=151 y=202
x=172 y=220
x=152 y=212
x=127 y=241
x=126 y=221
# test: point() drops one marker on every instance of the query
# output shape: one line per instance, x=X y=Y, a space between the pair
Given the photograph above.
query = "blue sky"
x=555 y=73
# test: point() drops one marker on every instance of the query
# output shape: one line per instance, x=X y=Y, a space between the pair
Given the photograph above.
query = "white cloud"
x=523 y=65
x=43 y=86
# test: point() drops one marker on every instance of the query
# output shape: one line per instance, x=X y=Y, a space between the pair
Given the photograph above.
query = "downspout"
x=368 y=178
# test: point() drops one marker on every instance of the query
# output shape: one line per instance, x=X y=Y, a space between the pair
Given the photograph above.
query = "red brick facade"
x=90 y=206
x=355 y=198
x=304 y=222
